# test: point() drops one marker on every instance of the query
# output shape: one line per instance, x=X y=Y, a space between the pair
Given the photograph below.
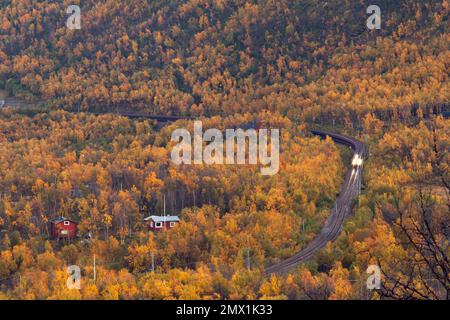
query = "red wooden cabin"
x=159 y=223
x=62 y=228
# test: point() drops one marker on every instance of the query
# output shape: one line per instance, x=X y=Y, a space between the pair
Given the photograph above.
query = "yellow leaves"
x=139 y=257
x=107 y=220
x=8 y=208
x=372 y=124
x=23 y=256
x=158 y=37
x=111 y=292
x=177 y=61
x=60 y=290
x=23 y=64
x=275 y=230
x=156 y=289
x=90 y=292
x=187 y=292
x=7 y=263
x=342 y=288
x=199 y=37
x=178 y=284
x=160 y=20
x=71 y=157
x=270 y=288
x=220 y=4
x=176 y=31
x=276 y=199
x=5 y=25
x=78 y=51
x=314 y=286
x=47 y=261
x=381 y=243
x=153 y=186
x=244 y=284
x=231 y=226
x=203 y=21
x=39 y=185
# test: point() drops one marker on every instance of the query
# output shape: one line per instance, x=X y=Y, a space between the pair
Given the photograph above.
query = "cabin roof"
x=60 y=219
x=163 y=218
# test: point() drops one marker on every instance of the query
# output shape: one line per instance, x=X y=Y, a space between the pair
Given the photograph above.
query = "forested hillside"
x=300 y=58
x=288 y=64
x=109 y=173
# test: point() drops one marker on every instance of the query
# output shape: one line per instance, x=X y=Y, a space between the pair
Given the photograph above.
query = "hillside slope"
x=225 y=56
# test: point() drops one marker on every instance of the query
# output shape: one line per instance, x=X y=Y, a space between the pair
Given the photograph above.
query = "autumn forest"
x=76 y=142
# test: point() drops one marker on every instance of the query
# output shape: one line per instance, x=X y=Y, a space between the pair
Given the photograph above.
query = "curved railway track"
x=343 y=206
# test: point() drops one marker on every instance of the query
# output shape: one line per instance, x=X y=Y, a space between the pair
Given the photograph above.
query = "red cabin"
x=62 y=228
x=159 y=223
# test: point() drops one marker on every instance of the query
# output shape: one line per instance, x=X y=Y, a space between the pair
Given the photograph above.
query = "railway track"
x=343 y=206
x=158 y=118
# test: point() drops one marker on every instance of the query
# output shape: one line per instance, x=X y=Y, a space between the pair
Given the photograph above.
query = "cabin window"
x=159 y=225
x=66 y=223
x=172 y=224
